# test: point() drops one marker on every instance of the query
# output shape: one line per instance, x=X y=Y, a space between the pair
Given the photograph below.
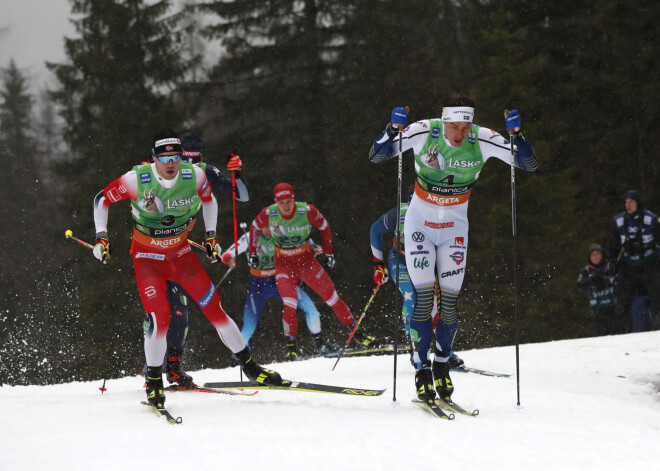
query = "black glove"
x=330 y=261
x=254 y=260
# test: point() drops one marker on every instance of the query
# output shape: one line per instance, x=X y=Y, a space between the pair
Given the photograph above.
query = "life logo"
x=458 y=257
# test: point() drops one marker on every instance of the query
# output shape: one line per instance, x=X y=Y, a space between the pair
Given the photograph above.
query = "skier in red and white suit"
x=165 y=198
x=290 y=224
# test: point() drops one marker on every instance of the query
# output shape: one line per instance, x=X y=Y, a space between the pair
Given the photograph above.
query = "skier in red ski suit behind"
x=290 y=223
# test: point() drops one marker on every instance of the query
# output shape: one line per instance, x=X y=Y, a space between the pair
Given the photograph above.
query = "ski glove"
x=234 y=163
x=513 y=121
x=254 y=260
x=212 y=245
x=330 y=260
x=102 y=247
x=380 y=273
x=399 y=117
x=397 y=121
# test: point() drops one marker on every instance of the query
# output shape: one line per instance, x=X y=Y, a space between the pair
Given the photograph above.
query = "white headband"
x=169 y=140
x=457 y=113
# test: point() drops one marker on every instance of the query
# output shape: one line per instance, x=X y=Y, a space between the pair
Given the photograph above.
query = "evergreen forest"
x=300 y=89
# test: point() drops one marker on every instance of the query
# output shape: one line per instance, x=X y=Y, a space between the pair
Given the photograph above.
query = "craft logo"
x=452 y=273
x=458 y=257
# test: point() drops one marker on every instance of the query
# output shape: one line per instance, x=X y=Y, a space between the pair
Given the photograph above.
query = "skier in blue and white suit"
x=449 y=154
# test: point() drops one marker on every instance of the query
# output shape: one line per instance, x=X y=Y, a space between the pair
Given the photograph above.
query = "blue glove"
x=513 y=121
x=399 y=116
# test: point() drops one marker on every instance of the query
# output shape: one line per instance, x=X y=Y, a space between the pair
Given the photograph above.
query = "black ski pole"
x=397 y=237
x=515 y=258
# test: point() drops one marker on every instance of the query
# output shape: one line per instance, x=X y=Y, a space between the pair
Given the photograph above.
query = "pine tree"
x=118 y=87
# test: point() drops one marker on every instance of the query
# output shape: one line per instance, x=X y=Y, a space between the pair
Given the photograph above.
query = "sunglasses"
x=168 y=158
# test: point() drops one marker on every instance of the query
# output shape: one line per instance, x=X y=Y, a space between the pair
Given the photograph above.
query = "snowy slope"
x=572 y=417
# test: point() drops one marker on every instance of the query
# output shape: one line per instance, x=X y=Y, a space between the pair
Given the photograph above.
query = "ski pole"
x=69 y=235
x=515 y=258
x=397 y=309
x=195 y=244
x=357 y=324
x=233 y=200
x=223 y=277
x=247 y=240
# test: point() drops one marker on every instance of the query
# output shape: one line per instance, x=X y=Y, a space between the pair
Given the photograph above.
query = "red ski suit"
x=296 y=264
x=157 y=260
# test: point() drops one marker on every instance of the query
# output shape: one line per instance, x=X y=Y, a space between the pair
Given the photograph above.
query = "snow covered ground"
x=585 y=404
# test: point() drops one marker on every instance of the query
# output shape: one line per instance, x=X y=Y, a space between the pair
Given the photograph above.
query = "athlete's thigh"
x=452 y=257
x=420 y=251
x=313 y=274
x=286 y=278
x=152 y=287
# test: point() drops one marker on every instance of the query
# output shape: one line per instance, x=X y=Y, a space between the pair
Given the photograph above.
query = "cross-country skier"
x=386 y=225
x=449 y=153
x=178 y=330
x=290 y=223
x=263 y=287
x=166 y=196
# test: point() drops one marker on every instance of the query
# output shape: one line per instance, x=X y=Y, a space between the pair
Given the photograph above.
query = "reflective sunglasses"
x=168 y=158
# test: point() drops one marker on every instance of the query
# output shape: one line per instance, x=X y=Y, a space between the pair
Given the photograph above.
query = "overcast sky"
x=32 y=32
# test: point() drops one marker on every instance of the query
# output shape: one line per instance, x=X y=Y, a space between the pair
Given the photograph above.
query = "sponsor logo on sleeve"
x=115 y=194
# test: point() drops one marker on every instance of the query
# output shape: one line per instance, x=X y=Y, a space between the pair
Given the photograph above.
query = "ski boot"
x=322 y=347
x=363 y=339
x=155 y=393
x=443 y=383
x=424 y=383
x=175 y=373
x=455 y=361
x=291 y=351
x=256 y=373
